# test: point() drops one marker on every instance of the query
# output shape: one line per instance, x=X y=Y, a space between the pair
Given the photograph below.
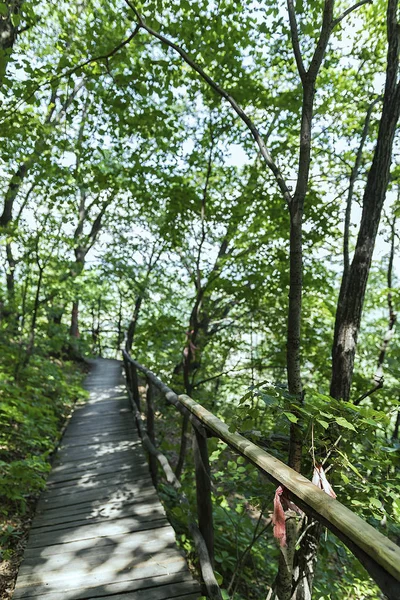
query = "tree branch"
x=295 y=39
x=203 y=209
x=326 y=30
x=224 y=94
x=348 y=11
x=100 y=57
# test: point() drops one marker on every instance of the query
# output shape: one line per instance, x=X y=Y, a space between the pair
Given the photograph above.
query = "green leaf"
x=292 y=418
x=218 y=577
x=344 y=423
x=345 y=478
x=15 y=19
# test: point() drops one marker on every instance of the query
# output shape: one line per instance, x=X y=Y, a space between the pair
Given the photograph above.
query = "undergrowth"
x=33 y=409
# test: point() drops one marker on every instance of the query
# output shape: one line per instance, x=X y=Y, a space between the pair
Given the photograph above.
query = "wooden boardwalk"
x=100 y=530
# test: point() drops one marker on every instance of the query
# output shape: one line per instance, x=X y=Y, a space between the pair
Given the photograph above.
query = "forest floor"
x=15 y=550
x=34 y=412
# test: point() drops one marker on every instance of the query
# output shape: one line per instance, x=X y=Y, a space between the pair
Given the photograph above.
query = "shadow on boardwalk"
x=100 y=530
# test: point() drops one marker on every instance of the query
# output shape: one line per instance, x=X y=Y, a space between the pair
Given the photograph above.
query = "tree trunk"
x=352 y=290
x=8 y=33
x=12 y=191
x=74 y=328
x=305 y=560
x=130 y=336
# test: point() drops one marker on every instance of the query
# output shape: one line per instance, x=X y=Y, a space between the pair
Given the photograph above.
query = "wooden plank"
x=102 y=474
x=96 y=592
x=123 y=492
x=34 y=573
x=94 y=556
x=95 y=509
x=98 y=440
x=106 y=511
x=186 y=590
x=95 y=483
x=74 y=434
x=162 y=536
x=79 y=577
x=103 y=529
x=144 y=511
x=95 y=450
x=157 y=593
x=90 y=465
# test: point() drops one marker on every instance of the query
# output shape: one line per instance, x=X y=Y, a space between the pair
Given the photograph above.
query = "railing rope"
x=379 y=555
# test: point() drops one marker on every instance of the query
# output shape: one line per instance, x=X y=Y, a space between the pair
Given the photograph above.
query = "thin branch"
x=376 y=387
x=24 y=203
x=203 y=209
x=207 y=379
x=295 y=39
x=100 y=57
x=348 y=11
x=224 y=94
x=70 y=72
x=63 y=110
x=320 y=49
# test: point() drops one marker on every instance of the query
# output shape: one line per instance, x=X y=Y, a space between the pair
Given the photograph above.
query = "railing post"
x=134 y=385
x=150 y=430
x=203 y=491
x=127 y=372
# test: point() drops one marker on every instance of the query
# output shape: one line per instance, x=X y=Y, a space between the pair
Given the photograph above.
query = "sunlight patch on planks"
x=100 y=529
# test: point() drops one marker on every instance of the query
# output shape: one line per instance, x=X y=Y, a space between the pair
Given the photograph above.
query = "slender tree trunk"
x=353 y=178
x=13 y=190
x=299 y=564
x=120 y=334
x=185 y=418
x=395 y=435
x=23 y=307
x=130 y=336
x=293 y=333
x=306 y=559
x=9 y=309
x=31 y=343
x=286 y=566
x=74 y=328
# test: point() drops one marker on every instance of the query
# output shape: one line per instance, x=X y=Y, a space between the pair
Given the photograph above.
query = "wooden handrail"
x=379 y=555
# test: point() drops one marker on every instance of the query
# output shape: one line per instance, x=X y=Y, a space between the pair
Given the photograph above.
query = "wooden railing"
x=379 y=555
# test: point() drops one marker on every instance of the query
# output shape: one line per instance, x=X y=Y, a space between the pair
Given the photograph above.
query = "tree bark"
x=378 y=376
x=74 y=328
x=305 y=561
x=130 y=336
x=8 y=33
x=353 y=287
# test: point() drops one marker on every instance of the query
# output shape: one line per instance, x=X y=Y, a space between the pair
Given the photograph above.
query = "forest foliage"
x=160 y=179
